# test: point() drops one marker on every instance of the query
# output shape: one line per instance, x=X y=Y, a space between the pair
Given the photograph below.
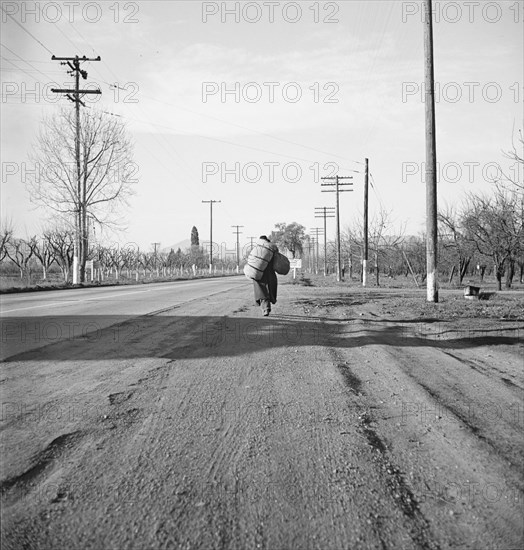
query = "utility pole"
x=318 y=231
x=325 y=212
x=155 y=245
x=337 y=190
x=80 y=243
x=210 y=202
x=237 y=232
x=309 y=263
x=366 y=225
x=431 y=159
x=251 y=243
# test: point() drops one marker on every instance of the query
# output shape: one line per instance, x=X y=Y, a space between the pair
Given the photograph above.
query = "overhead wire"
x=22 y=59
x=252 y=130
x=28 y=32
x=258 y=149
x=209 y=116
x=199 y=114
x=189 y=110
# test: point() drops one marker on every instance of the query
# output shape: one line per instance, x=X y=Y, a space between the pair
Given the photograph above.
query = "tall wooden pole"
x=324 y=212
x=237 y=232
x=325 y=243
x=431 y=159
x=366 y=223
x=211 y=202
x=316 y=262
x=210 y=236
x=79 y=235
x=339 y=262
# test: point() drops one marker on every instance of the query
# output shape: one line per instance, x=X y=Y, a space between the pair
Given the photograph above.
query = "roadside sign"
x=294 y=264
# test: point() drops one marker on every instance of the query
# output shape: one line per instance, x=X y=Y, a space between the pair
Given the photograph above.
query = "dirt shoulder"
x=349 y=418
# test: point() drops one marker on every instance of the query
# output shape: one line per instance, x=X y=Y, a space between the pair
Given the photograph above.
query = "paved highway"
x=34 y=319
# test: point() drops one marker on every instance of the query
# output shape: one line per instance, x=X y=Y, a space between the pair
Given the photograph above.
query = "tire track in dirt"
x=490 y=371
x=487 y=420
x=431 y=384
x=394 y=482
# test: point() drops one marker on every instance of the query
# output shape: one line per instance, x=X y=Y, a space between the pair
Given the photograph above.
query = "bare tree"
x=45 y=254
x=454 y=237
x=6 y=234
x=61 y=244
x=496 y=226
x=380 y=242
x=20 y=252
x=514 y=180
x=106 y=171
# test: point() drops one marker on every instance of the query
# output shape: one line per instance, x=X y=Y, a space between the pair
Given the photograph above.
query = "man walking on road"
x=266 y=287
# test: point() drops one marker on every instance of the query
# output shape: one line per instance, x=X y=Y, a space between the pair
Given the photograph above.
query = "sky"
x=252 y=103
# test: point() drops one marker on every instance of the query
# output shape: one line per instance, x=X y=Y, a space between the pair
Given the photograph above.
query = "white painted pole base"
x=364 y=272
x=431 y=288
x=75 y=270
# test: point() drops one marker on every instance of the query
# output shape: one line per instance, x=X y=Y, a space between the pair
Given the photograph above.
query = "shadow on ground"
x=60 y=338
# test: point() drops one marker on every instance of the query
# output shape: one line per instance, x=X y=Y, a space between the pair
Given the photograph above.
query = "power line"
x=22 y=59
x=230 y=142
x=252 y=130
x=28 y=32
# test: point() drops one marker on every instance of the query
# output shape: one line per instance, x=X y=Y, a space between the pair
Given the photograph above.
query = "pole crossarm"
x=72 y=91
x=337 y=184
x=76 y=58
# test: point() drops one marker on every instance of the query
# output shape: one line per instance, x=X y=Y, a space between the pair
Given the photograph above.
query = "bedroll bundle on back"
x=259 y=257
x=281 y=264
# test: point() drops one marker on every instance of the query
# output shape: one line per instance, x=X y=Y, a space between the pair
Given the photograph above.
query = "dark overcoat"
x=266 y=288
